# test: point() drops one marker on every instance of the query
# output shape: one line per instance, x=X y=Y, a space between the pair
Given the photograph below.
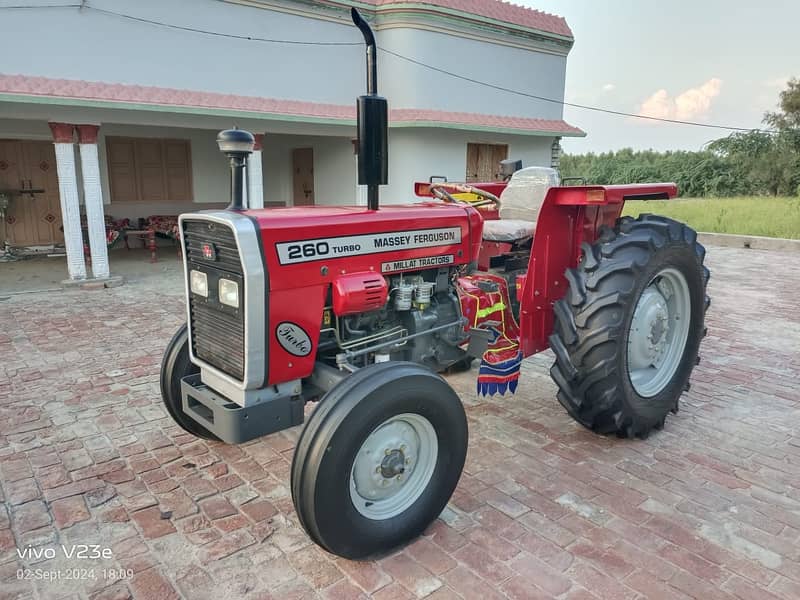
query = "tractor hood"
x=312 y=245
x=286 y=260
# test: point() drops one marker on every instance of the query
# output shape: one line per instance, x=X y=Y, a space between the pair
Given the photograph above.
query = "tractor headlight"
x=229 y=292
x=198 y=283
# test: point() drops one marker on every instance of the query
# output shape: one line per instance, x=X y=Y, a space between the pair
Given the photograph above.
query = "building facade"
x=115 y=110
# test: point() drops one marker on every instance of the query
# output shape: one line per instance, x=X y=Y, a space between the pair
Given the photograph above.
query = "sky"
x=712 y=61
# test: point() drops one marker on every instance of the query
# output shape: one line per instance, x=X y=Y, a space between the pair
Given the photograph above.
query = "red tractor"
x=358 y=308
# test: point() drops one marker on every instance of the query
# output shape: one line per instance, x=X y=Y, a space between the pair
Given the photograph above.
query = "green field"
x=754 y=215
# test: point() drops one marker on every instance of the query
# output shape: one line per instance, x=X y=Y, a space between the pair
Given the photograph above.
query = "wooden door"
x=150 y=167
x=303 y=176
x=10 y=181
x=33 y=219
x=177 y=170
x=483 y=161
x=122 y=178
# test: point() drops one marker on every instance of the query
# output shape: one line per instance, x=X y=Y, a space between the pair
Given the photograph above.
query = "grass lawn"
x=753 y=215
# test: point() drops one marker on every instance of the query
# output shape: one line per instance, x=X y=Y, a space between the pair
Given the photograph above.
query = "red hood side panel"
x=306 y=248
x=299 y=242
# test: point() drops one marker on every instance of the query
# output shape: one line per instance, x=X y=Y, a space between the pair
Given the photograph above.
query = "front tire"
x=175 y=366
x=627 y=333
x=379 y=459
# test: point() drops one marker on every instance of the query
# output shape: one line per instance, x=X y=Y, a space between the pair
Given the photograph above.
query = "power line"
x=37 y=6
x=562 y=102
x=248 y=38
x=85 y=6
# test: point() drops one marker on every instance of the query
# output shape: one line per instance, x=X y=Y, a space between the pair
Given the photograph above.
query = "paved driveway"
x=708 y=508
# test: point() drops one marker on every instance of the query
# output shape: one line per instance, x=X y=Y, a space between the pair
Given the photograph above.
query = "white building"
x=134 y=93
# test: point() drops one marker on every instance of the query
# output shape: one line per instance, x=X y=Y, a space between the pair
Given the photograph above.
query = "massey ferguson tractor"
x=358 y=308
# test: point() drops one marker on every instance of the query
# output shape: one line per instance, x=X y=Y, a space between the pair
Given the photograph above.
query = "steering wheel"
x=443 y=192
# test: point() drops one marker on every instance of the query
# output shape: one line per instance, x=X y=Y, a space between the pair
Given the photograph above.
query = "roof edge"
x=506 y=15
x=485 y=128
x=69 y=92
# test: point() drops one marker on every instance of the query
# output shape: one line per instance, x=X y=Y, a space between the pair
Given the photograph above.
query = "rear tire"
x=175 y=366
x=618 y=371
x=379 y=459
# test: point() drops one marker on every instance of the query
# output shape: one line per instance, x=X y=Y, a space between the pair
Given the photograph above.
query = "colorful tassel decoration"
x=499 y=377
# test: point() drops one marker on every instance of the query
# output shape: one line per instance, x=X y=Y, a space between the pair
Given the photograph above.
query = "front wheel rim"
x=659 y=332
x=393 y=466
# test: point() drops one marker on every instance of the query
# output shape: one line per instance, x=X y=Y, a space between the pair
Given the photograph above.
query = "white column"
x=68 y=194
x=555 y=154
x=255 y=176
x=93 y=199
x=361 y=190
x=255 y=181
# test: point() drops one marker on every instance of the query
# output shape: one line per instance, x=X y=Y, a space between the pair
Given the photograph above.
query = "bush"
x=752 y=163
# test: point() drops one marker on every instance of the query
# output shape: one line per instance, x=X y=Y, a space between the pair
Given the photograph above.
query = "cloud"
x=609 y=87
x=690 y=104
x=777 y=82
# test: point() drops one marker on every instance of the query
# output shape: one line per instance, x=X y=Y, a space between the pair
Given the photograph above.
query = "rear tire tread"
x=599 y=295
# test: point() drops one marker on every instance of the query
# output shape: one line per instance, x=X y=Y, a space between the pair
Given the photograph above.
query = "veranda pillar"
x=255 y=177
x=63 y=134
x=93 y=199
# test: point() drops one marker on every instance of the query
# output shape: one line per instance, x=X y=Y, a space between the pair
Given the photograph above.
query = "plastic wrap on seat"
x=525 y=192
x=507 y=230
x=520 y=203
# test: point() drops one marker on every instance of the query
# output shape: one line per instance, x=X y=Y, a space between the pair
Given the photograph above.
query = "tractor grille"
x=198 y=233
x=217 y=330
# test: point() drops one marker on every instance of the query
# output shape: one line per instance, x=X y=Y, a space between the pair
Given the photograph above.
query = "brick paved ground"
x=709 y=508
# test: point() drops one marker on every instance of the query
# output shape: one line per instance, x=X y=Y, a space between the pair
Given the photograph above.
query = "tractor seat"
x=508 y=230
x=519 y=205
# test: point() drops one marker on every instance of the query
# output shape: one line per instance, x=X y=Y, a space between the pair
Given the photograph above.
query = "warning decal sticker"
x=424 y=262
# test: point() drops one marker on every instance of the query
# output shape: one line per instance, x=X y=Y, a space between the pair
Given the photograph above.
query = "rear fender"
x=568 y=217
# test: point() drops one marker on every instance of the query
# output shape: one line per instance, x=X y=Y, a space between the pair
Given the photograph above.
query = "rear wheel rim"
x=393 y=466
x=659 y=332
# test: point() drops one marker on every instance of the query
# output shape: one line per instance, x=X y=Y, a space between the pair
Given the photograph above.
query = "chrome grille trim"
x=246 y=236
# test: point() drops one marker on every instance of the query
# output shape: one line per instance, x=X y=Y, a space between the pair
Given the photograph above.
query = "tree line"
x=758 y=162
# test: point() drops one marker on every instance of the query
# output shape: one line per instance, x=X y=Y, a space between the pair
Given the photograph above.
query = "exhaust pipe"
x=373 y=156
x=237 y=145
